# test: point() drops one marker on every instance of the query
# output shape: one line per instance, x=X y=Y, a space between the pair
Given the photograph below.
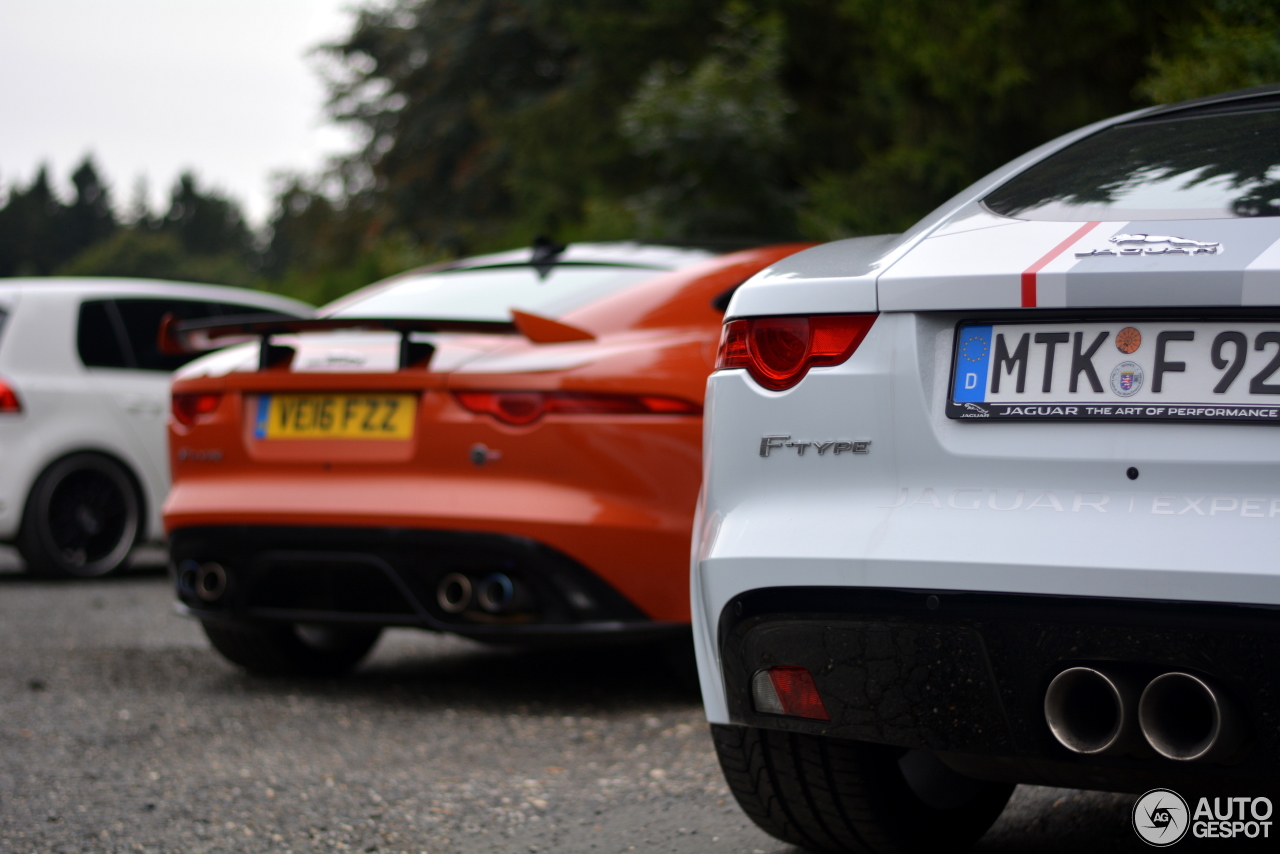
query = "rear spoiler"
x=181 y=337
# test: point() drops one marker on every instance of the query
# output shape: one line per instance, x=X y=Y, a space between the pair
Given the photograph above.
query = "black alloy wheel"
x=82 y=518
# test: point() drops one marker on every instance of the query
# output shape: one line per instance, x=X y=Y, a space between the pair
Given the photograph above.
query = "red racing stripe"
x=1029 y=275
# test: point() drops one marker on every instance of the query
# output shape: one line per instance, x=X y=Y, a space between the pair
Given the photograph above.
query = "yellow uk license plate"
x=335 y=416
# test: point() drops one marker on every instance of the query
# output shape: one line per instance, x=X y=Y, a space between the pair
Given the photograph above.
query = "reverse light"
x=778 y=351
x=187 y=408
x=9 y=403
x=787 y=691
x=525 y=407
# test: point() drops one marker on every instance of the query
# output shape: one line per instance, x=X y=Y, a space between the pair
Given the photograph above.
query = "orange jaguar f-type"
x=506 y=447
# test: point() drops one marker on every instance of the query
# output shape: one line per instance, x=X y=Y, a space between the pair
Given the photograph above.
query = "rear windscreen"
x=1215 y=166
x=491 y=293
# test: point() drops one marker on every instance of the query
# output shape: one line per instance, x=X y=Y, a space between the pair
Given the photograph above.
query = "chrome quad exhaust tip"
x=1091 y=711
x=1187 y=719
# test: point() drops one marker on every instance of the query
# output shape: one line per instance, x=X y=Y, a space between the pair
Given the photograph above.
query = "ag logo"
x=1160 y=817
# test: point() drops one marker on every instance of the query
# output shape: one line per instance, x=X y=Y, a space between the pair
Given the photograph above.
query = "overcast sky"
x=152 y=87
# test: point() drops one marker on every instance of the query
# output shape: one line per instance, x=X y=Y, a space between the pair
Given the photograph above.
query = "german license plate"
x=1159 y=371
x=335 y=416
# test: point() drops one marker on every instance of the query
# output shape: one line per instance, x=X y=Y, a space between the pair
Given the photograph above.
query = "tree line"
x=716 y=121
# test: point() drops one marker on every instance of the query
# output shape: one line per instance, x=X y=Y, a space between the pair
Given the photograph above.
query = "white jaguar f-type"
x=997 y=500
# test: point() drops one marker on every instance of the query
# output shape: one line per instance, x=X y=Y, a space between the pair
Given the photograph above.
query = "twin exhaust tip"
x=496 y=593
x=1091 y=712
x=208 y=581
x=1182 y=717
x=1187 y=719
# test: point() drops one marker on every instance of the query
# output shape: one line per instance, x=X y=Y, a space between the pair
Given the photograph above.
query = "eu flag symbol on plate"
x=973 y=358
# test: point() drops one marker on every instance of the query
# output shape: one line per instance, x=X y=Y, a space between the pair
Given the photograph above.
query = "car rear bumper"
x=965 y=674
x=392 y=577
x=638 y=547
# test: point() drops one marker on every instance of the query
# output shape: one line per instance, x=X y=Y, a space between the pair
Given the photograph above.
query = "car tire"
x=292 y=650
x=826 y=794
x=81 y=519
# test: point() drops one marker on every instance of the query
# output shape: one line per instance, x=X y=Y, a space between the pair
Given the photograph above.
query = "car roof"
x=1220 y=99
x=120 y=287
x=627 y=253
x=620 y=253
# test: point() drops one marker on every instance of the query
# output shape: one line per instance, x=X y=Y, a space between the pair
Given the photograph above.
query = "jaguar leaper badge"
x=1154 y=244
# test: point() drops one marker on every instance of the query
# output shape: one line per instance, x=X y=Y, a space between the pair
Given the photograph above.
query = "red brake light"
x=509 y=407
x=525 y=407
x=788 y=691
x=779 y=351
x=187 y=408
x=9 y=402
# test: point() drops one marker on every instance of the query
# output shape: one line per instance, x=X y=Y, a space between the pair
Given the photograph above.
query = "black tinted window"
x=141 y=319
x=1197 y=166
x=96 y=338
x=122 y=333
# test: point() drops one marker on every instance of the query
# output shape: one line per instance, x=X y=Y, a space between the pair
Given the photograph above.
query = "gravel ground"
x=120 y=731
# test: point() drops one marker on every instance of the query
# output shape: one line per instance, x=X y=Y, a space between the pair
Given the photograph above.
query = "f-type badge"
x=835 y=446
x=1154 y=244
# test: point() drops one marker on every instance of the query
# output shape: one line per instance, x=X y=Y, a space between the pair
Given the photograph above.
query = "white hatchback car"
x=84 y=403
x=995 y=501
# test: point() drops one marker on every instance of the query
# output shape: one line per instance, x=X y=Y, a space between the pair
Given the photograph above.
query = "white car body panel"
x=981 y=501
x=67 y=407
x=945 y=504
x=838 y=276
x=985 y=268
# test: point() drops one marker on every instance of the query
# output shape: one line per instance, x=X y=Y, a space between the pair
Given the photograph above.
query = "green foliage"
x=89 y=218
x=320 y=249
x=38 y=232
x=383 y=257
x=206 y=223
x=143 y=254
x=201 y=238
x=492 y=118
x=1231 y=44
x=428 y=82
x=489 y=121
x=705 y=128
x=927 y=97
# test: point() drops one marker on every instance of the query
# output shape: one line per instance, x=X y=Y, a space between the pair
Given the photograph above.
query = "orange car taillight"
x=778 y=351
x=187 y=408
x=526 y=407
x=9 y=402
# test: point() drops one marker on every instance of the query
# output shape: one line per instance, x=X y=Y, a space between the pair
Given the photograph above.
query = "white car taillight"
x=778 y=351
